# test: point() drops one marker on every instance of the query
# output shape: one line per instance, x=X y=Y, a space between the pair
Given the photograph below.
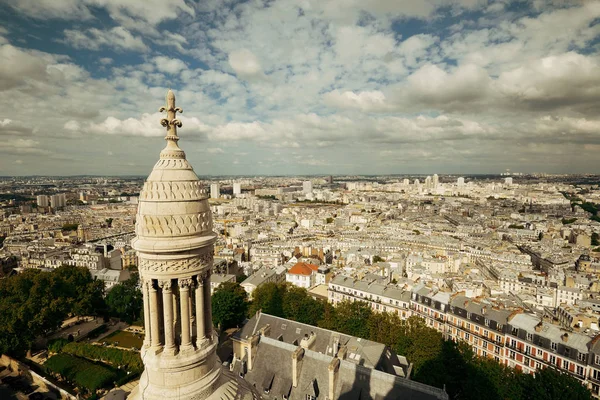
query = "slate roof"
x=272 y=370
x=368 y=353
x=528 y=322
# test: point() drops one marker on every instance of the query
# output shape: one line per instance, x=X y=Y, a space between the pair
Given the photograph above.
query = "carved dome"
x=173 y=212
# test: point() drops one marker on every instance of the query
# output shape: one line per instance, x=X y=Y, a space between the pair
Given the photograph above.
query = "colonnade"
x=177 y=313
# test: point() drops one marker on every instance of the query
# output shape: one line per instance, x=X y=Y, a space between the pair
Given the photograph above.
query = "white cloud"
x=245 y=64
x=365 y=101
x=169 y=65
x=19 y=65
x=565 y=79
x=150 y=11
x=72 y=125
x=308 y=77
x=118 y=38
x=147 y=126
x=22 y=146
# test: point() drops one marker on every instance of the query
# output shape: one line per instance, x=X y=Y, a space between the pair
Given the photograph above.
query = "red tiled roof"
x=302 y=268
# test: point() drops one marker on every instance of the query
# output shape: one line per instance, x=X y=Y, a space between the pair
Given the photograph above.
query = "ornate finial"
x=171 y=122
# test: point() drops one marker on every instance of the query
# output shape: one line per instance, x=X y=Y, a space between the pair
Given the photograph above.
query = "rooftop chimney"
x=297 y=356
x=334 y=367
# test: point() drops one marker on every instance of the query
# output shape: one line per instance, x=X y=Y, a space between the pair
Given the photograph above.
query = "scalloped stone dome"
x=173 y=212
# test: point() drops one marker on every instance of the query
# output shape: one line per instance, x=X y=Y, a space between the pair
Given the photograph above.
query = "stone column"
x=200 y=328
x=155 y=336
x=145 y=295
x=207 y=306
x=184 y=298
x=167 y=294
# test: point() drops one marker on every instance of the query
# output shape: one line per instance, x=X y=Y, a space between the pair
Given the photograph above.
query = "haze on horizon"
x=301 y=87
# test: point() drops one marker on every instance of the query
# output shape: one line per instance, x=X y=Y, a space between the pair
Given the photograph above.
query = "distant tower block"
x=215 y=191
x=307 y=187
x=174 y=240
x=460 y=181
x=237 y=189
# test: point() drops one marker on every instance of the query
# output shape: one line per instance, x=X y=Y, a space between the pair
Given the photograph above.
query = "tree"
x=34 y=303
x=269 y=299
x=70 y=227
x=229 y=305
x=125 y=300
x=548 y=384
x=377 y=259
x=418 y=343
x=595 y=239
x=299 y=306
x=352 y=318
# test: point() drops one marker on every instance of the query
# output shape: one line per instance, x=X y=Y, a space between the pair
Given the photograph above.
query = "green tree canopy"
x=35 y=302
x=269 y=299
x=125 y=300
x=229 y=305
x=352 y=318
x=299 y=306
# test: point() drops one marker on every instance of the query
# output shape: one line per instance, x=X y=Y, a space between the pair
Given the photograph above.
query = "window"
x=468 y=315
x=529 y=337
x=597 y=359
x=579 y=370
x=565 y=364
x=515 y=331
x=467 y=336
x=552 y=359
x=553 y=345
x=485 y=333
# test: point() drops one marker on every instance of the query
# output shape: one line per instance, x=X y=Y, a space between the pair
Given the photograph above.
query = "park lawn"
x=125 y=339
x=82 y=372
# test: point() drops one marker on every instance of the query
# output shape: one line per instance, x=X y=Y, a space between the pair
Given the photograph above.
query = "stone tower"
x=174 y=241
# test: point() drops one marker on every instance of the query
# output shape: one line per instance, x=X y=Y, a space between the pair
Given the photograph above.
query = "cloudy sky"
x=301 y=86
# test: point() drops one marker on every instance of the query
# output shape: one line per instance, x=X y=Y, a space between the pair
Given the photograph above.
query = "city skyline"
x=455 y=87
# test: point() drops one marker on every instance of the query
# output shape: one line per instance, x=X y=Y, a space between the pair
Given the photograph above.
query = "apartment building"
x=505 y=333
